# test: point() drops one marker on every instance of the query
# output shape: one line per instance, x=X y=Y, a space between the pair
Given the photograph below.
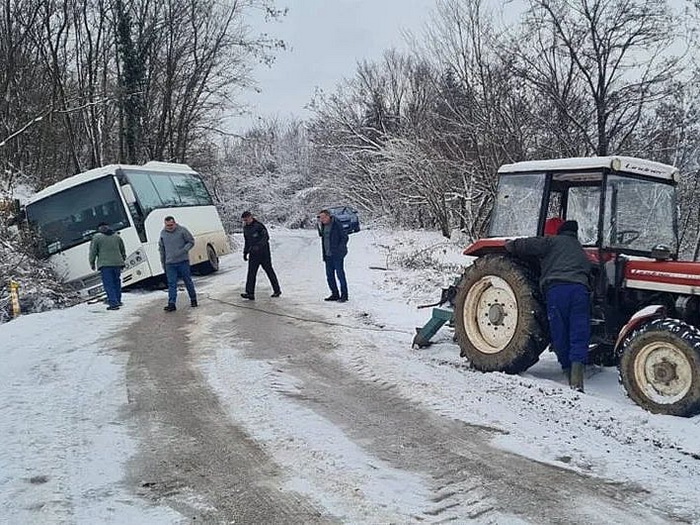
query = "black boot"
x=332 y=298
x=170 y=308
x=249 y=296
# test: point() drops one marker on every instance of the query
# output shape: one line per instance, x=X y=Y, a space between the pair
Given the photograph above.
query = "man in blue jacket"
x=334 y=243
x=564 y=279
x=174 y=245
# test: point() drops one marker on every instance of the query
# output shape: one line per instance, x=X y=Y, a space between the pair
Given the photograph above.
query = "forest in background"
x=413 y=140
x=416 y=139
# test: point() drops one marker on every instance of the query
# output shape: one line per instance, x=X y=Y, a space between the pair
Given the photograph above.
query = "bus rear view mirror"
x=128 y=193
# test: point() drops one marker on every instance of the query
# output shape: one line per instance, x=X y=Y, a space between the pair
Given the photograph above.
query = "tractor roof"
x=620 y=164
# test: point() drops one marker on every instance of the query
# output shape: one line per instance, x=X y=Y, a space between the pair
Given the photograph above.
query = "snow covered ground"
x=62 y=390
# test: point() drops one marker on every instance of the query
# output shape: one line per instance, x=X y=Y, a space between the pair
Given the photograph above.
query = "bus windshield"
x=70 y=217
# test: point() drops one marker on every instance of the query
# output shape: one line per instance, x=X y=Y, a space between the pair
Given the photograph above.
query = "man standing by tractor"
x=565 y=282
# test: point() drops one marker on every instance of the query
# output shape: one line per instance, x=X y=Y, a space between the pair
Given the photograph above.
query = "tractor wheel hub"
x=496 y=314
x=664 y=371
x=490 y=314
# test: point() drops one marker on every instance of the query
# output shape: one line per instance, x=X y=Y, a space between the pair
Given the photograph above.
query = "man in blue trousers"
x=174 y=245
x=107 y=254
x=334 y=245
x=565 y=281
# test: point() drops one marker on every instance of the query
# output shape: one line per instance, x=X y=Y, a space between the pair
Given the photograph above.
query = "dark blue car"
x=347 y=216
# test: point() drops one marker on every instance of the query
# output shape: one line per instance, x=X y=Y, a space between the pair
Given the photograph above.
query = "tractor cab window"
x=639 y=214
x=517 y=205
x=583 y=207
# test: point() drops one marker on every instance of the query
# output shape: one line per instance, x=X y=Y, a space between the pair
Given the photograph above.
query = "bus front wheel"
x=212 y=263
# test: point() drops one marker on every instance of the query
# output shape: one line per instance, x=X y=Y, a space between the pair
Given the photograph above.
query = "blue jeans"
x=111 y=281
x=174 y=271
x=334 y=267
x=568 y=310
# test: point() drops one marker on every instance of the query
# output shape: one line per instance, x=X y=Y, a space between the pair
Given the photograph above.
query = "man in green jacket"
x=108 y=253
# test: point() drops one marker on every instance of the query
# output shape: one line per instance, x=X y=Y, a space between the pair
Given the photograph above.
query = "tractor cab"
x=622 y=205
x=626 y=212
x=642 y=296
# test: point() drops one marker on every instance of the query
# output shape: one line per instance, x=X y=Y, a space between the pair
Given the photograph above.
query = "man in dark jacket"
x=564 y=279
x=174 y=245
x=257 y=252
x=108 y=254
x=334 y=244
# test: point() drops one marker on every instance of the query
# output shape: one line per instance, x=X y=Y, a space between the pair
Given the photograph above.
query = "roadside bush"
x=40 y=288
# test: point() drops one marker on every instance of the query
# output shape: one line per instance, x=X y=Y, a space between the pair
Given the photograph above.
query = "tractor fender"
x=653 y=311
x=486 y=247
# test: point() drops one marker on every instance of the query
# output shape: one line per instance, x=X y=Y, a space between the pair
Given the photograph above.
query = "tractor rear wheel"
x=660 y=367
x=500 y=319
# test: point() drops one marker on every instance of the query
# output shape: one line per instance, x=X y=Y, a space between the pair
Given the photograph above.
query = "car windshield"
x=517 y=205
x=68 y=218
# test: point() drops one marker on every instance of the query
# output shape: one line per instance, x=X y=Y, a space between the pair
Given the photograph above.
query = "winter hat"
x=246 y=214
x=552 y=225
x=569 y=226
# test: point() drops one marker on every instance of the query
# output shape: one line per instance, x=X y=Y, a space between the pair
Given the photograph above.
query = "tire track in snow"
x=470 y=478
x=192 y=456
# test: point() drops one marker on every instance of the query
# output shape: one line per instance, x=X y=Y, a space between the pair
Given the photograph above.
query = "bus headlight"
x=135 y=259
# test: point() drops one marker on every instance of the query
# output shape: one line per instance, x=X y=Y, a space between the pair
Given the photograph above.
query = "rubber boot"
x=576 y=380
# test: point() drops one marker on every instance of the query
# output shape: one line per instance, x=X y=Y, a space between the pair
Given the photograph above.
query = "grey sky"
x=326 y=39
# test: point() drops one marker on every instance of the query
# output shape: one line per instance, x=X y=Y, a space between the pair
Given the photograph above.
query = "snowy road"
x=192 y=456
x=267 y=412
x=292 y=410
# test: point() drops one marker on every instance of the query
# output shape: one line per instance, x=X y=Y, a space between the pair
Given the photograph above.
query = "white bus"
x=134 y=201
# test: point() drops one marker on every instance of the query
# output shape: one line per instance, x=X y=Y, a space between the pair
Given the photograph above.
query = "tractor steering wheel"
x=628 y=236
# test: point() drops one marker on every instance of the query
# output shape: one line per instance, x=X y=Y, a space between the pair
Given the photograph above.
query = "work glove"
x=245 y=256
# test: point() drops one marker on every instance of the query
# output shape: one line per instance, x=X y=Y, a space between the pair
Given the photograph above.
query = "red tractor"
x=645 y=306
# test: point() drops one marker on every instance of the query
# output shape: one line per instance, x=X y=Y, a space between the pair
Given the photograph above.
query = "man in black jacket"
x=257 y=252
x=334 y=244
x=564 y=279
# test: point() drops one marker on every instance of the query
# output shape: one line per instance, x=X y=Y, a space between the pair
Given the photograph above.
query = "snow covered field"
x=62 y=392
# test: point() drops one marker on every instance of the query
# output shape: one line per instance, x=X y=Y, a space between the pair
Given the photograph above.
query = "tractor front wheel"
x=660 y=367
x=500 y=320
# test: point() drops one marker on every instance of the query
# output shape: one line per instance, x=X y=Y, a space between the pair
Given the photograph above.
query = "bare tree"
x=17 y=65
x=271 y=170
x=600 y=62
x=484 y=116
